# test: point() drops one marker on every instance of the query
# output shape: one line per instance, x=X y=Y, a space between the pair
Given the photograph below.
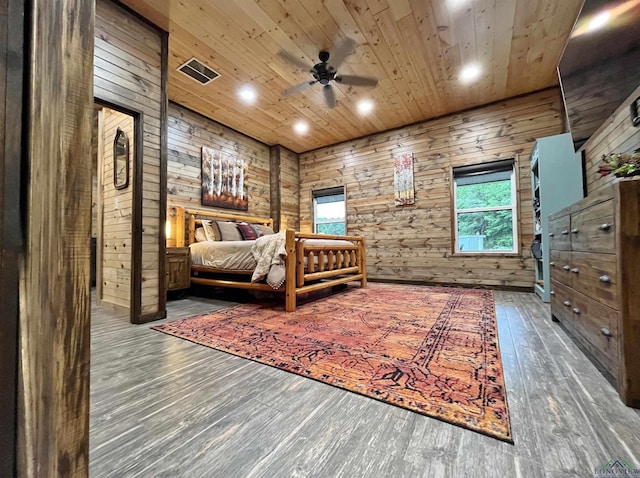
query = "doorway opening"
x=114 y=145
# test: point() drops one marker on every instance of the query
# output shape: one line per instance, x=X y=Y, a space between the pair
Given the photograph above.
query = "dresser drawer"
x=597 y=326
x=561 y=300
x=595 y=275
x=560 y=233
x=560 y=266
x=593 y=229
x=594 y=325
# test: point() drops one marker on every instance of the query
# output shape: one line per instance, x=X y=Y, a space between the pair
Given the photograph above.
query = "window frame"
x=324 y=192
x=511 y=165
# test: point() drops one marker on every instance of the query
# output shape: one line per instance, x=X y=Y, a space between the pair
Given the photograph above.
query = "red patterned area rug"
x=433 y=350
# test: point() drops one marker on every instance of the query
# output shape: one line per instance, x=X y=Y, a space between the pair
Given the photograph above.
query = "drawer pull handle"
x=564 y=232
x=574 y=231
x=567 y=303
x=566 y=267
x=605 y=278
x=606 y=332
x=552 y=263
x=605 y=227
x=576 y=310
x=553 y=292
x=575 y=270
x=551 y=234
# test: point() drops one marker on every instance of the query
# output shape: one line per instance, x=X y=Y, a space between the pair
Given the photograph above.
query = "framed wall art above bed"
x=224 y=180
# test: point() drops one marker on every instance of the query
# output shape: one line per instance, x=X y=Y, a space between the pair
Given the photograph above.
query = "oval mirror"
x=121 y=160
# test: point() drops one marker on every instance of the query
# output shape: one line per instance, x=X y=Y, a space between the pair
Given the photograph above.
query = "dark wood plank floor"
x=162 y=406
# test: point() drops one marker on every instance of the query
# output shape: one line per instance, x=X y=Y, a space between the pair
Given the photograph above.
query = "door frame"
x=135 y=291
x=12 y=161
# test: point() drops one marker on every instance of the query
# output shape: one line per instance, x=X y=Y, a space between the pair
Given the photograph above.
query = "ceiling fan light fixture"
x=324 y=73
x=470 y=73
x=365 y=107
x=301 y=127
x=248 y=94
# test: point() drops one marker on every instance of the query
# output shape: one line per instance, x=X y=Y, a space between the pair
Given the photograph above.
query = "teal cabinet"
x=556 y=182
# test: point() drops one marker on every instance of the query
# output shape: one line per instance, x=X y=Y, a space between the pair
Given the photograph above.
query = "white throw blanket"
x=270 y=253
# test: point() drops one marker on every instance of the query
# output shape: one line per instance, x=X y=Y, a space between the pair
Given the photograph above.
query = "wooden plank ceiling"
x=415 y=48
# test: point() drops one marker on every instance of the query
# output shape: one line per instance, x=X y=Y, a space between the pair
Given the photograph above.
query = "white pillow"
x=209 y=233
x=200 y=235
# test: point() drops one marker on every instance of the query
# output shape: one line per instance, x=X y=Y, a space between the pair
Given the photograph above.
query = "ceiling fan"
x=324 y=72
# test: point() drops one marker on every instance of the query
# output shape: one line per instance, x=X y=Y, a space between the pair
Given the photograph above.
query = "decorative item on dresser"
x=595 y=274
x=556 y=182
x=178 y=268
x=620 y=164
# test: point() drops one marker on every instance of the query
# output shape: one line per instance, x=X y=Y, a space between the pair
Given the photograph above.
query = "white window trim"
x=316 y=222
x=514 y=214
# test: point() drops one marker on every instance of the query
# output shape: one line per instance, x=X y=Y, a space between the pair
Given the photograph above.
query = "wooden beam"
x=53 y=431
x=324 y=285
x=274 y=185
x=333 y=273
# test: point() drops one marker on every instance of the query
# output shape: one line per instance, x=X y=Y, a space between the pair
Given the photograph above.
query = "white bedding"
x=270 y=254
x=226 y=255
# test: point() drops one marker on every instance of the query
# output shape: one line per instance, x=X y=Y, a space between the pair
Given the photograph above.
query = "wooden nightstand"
x=178 y=265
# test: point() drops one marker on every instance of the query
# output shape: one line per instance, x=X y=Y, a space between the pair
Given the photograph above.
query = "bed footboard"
x=322 y=261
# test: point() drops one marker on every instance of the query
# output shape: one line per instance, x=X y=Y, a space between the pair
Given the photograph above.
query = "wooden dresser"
x=595 y=280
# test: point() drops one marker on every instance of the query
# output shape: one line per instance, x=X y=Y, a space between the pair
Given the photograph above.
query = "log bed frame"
x=335 y=264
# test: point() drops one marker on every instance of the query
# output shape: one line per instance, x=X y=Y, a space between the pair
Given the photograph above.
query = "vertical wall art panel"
x=403 y=179
x=224 y=180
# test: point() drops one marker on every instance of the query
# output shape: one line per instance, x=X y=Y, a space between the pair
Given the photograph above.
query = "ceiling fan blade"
x=295 y=89
x=329 y=96
x=345 y=48
x=356 y=80
x=297 y=62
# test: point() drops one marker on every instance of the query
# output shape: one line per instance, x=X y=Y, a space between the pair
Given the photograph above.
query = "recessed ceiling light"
x=365 y=107
x=599 y=21
x=247 y=94
x=301 y=127
x=470 y=73
x=455 y=5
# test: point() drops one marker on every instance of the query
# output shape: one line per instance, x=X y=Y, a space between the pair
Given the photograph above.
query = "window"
x=485 y=207
x=329 y=211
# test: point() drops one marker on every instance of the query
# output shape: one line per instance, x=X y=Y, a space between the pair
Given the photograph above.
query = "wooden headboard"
x=188 y=219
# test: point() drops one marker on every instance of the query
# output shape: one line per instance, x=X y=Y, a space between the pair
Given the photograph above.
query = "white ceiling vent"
x=200 y=72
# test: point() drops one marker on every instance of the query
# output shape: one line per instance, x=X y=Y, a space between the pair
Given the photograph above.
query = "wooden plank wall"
x=616 y=135
x=117 y=219
x=289 y=185
x=188 y=133
x=53 y=426
x=128 y=72
x=415 y=243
